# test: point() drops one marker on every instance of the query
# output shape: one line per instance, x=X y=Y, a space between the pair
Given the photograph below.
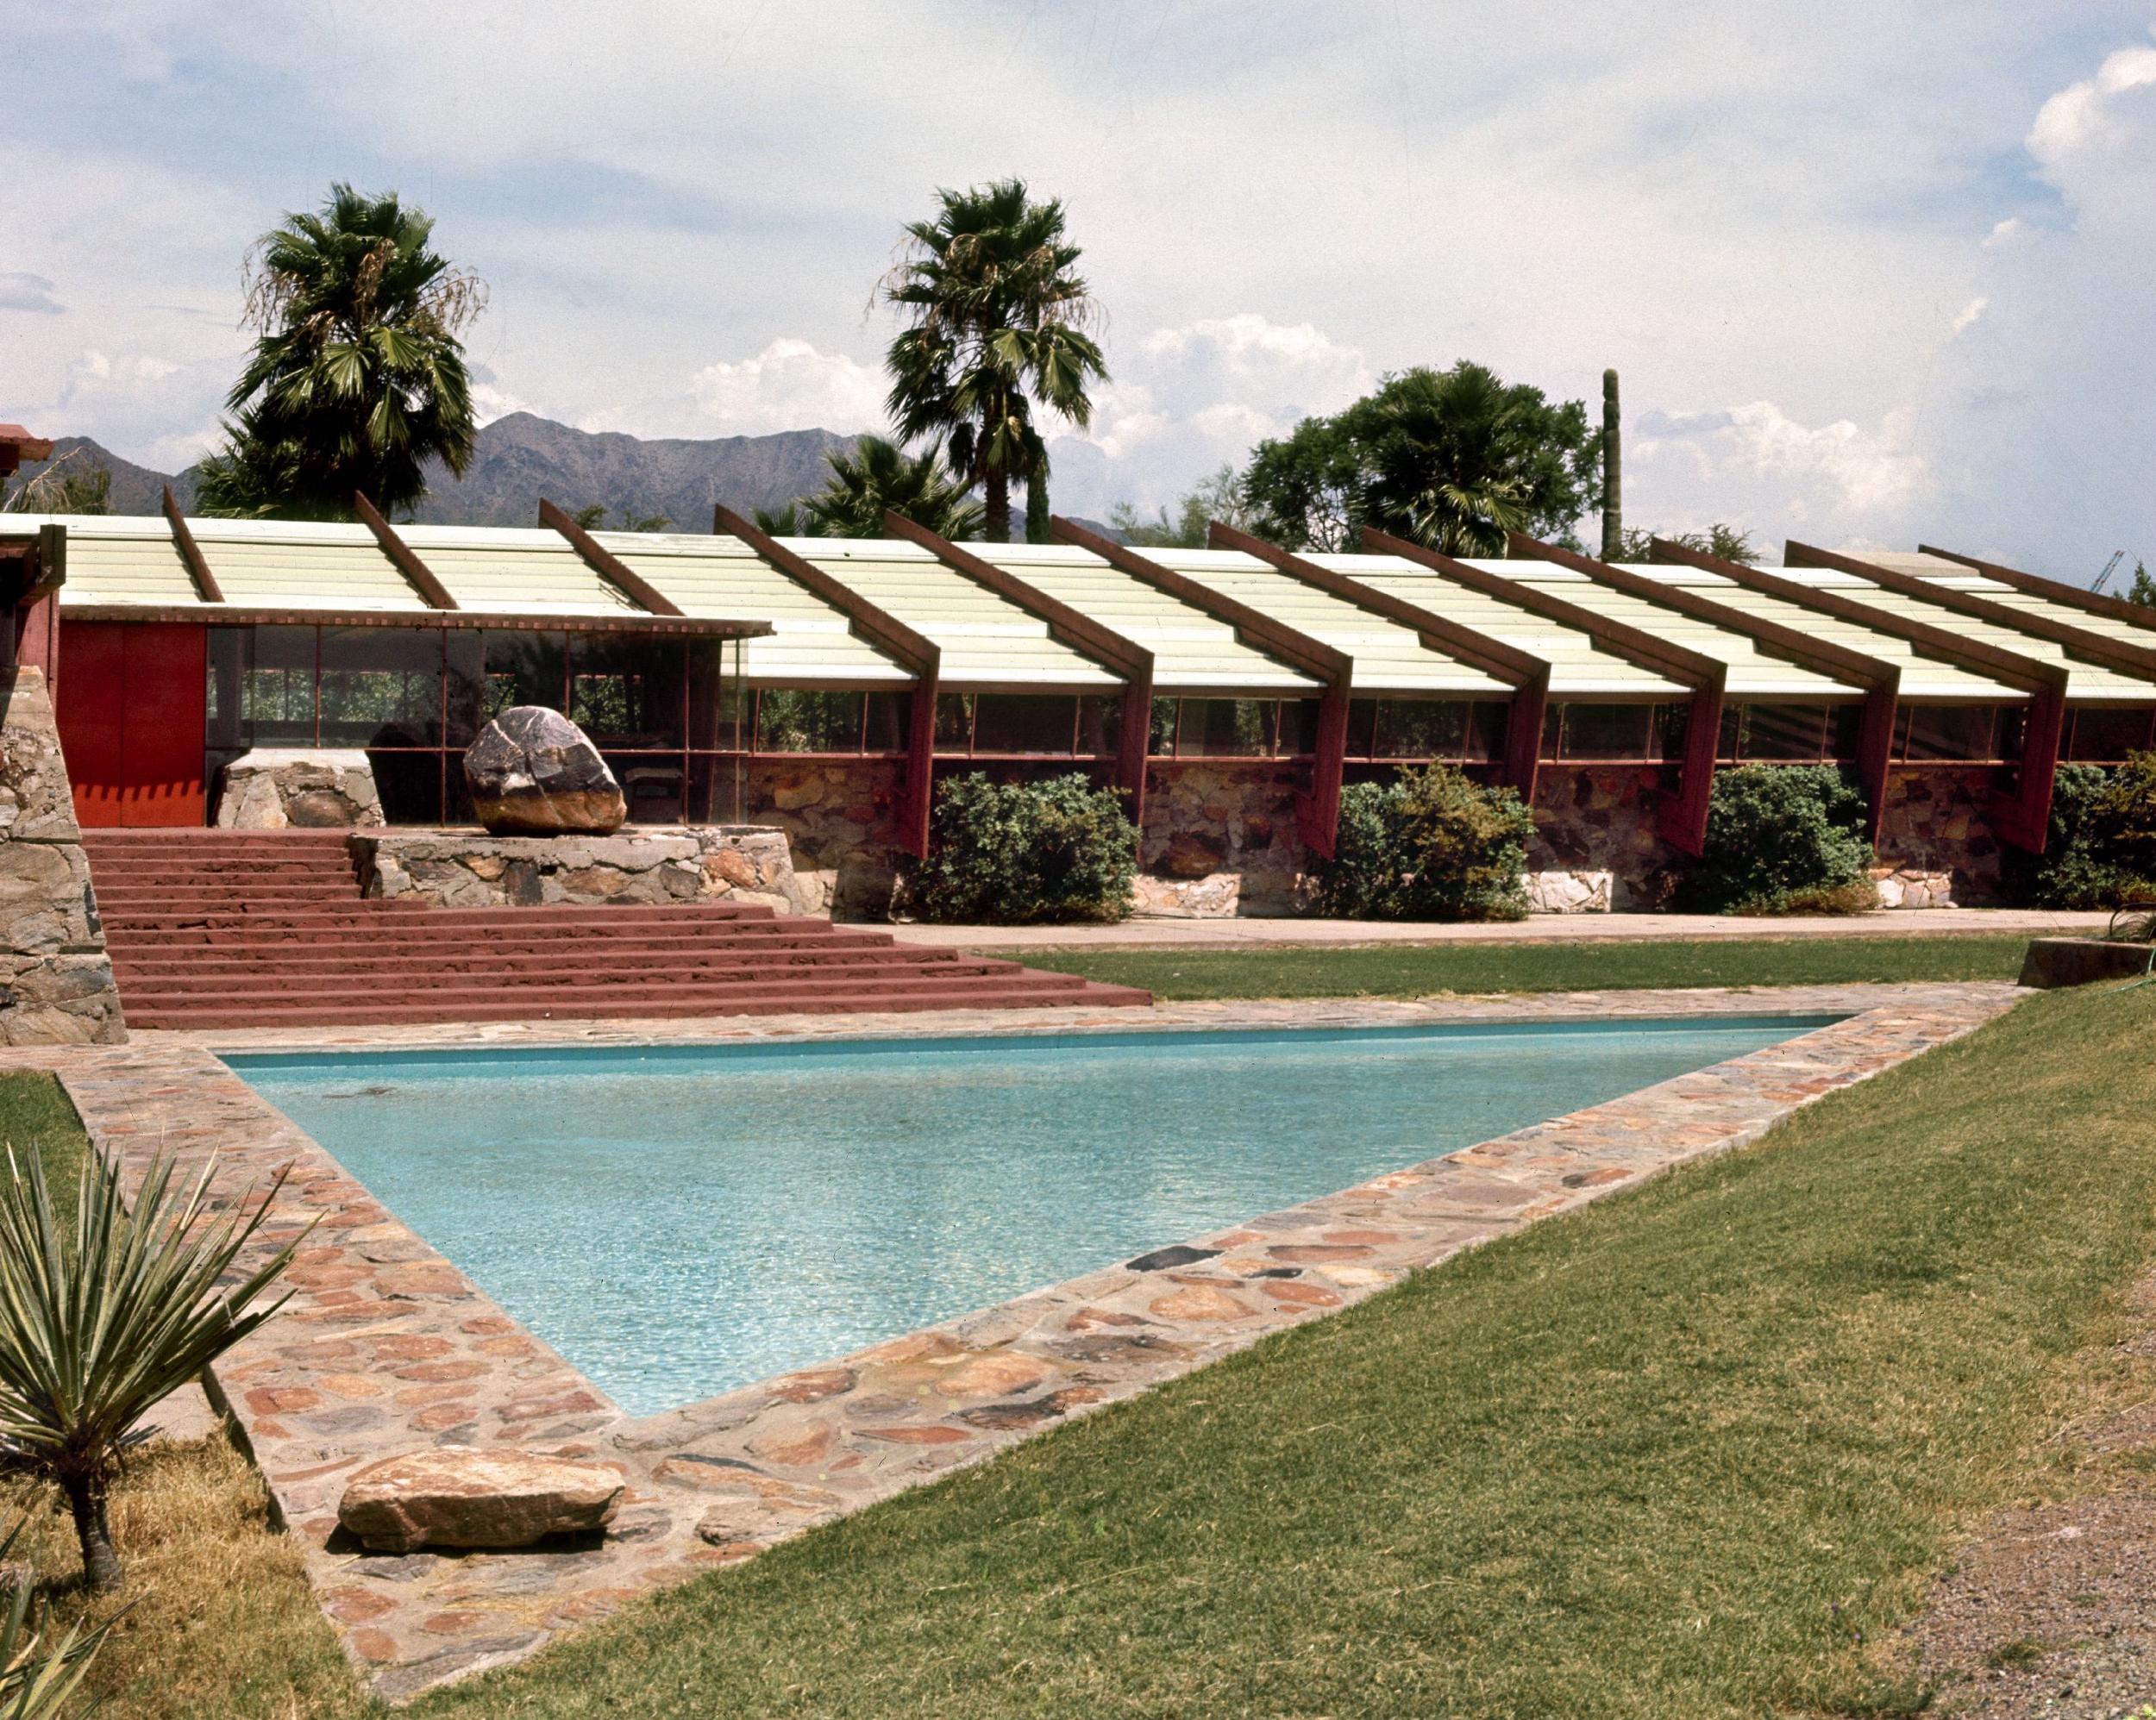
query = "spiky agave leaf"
x=36 y=1681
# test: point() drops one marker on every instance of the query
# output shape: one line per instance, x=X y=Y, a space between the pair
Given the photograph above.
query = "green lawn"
x=1394 y=972
x=1676 y=1455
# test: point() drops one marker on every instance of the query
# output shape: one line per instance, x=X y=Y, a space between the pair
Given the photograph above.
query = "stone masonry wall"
x=840 y=816
x=277 y=788
x=1593 y=820
x=639 y=864
x=1220 y=838
x=56 y=984
x=1936 y=823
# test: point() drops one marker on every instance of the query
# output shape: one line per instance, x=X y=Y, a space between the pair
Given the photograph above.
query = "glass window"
x=651 y=783
x=411 y=784
x=225 y=727
x=715 y=698
x=1166 y=712
x=1845 y=728
x=381 y=686
x=2106 y=733
x=1488 y=725
x=1420 y=729
x=1783 y=734
x=890 y=722
x=795 y=721
x=954 y=722
x=276 y=697
x=1609 y=731
x=1962 y=732
x=1226 y=728
x=463 y=684
x=524 y=668
x=1038 y=724
x=1299 y=727
x=1100 y=726
x=628 y=692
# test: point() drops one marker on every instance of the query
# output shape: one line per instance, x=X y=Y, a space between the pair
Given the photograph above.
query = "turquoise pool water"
x=679 y=1220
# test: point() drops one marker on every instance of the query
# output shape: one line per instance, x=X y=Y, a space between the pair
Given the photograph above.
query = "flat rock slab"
x=458 y=1497
x=2054 y=962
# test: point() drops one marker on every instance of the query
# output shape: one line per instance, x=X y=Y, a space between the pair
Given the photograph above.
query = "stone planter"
x=2054 y=962
x=745 y=863
x=279 y=788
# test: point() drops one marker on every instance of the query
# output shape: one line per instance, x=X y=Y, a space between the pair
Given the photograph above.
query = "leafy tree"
x=999 y=321
x=358 y=377
x=786 y=521
x=1731 y=543
x=101 y=1318
x=593 y=517
x=876 y=474
x=1451 y=458
x=2143 y=590
x=1217 y=497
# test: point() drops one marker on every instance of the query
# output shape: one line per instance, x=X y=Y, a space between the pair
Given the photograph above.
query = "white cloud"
x=1757 y=466
x=1966 y=317
x=2085 y=114
x=789 y=386
x=2011 y=231
x=23 y=291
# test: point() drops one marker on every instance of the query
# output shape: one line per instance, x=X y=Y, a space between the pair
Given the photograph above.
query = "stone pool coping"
x=385 y=1345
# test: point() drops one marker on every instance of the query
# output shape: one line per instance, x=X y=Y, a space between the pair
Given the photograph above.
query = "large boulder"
x=533 y=773
x=451 y=1496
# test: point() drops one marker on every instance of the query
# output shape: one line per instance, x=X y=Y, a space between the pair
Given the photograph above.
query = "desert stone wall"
x=1220 y=838
x=280 y=788
x=56 y=984
x=1595 y=848
x=646 y=864
x=1937 y=833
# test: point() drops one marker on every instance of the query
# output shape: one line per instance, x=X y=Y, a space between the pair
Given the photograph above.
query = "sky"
x=1872 y=271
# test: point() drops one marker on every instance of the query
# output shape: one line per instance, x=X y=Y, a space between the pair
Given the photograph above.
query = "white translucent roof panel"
x=114 y=558
x=1388 y=658
x=1754 y=673
x=1579 y=667
x=987 y=641
x=810 y=642
x=514 y=570
x=1922 y=677
x=1191 y=652
x=2086 y=682
x=278 y=564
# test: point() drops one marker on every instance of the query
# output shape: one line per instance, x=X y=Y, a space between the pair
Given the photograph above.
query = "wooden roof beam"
x=206 y=586
x=1119 y=654
x=915 y=653
x=1881 y=680
x=2024 y=818
x=1319 y=812
x=1528 y=674
x=2054 y=590
x=1682 y=818
x=2121 y=655
x=432 y=592
x=607 y=565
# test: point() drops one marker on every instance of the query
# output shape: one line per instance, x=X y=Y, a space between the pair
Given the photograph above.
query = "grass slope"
x=1382 y=970
x=1677 y=1454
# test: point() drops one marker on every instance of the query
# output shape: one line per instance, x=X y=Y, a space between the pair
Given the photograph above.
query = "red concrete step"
x=390 y=919
x=224 y=965
x=266 y=989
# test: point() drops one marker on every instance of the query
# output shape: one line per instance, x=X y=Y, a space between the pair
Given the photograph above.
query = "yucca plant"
x=35 y=1681
x=102 y=1317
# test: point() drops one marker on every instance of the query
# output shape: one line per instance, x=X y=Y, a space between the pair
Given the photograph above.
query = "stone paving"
x=386 y=1347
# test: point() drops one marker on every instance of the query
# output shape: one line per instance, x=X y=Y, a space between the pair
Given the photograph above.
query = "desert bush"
x=1781 y=839
x=2070 y=872
x=1432 y=844
x=1018 y=854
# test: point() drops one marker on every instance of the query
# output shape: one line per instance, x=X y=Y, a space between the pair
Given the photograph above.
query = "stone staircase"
x=214 y=928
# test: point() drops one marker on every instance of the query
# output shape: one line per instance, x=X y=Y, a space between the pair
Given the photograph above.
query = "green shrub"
x=1432 y=844
x=2071 y=872
x=2123 y=821
x=1781 y=839
x=1015 y=854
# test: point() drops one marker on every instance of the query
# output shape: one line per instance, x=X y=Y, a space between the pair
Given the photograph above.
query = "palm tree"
x=358 y=377
x=879 y=475
x=998 y=319
x=101 y=1318
x=1443 y=450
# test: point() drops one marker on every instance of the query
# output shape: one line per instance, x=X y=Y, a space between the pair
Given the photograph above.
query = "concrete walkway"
x=1144 y=933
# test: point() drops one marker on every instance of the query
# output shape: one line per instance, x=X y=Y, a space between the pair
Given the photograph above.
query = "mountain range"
x=522 y=457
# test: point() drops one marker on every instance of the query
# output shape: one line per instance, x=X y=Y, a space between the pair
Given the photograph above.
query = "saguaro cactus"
x=1612 y=473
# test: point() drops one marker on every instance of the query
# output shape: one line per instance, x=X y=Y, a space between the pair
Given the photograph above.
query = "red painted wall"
x=130 y=707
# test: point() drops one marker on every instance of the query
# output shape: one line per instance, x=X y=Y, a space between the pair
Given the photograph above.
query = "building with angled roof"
x=824 y=685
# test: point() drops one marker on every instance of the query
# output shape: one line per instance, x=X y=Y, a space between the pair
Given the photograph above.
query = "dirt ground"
x=2051 y=1609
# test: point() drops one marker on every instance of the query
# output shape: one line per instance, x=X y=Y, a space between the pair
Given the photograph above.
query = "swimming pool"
x=679 y=1220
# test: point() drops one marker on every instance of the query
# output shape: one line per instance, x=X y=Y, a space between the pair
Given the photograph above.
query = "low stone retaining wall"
x=56 y=985
x=748 y=863
x=279 y=788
